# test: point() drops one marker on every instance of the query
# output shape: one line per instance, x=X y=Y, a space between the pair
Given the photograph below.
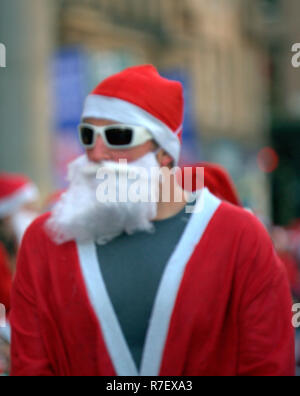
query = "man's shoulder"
x=240 y=220
x=39 y=253
x=247 y=232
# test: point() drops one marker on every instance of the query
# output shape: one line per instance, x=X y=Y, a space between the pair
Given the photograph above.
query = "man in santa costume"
x=146 y=288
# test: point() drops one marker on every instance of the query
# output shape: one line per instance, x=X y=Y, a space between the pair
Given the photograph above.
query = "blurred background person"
x=18 y=208
x=5 y=288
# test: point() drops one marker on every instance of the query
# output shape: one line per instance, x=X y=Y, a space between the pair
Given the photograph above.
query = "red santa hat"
x=140 y=96
x=15 y=192
x=217 y=180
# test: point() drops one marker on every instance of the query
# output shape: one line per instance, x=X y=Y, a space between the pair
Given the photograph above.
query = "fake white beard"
x=80 y=216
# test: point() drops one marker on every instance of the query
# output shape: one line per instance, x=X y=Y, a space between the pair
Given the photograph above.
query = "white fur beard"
x=80 y=216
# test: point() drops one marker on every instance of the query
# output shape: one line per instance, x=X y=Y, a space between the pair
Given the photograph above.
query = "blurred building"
x=26 y=29
x=209 y=44
x=207 y=39
x=233 y=58
x=275 y=23
x=286 y=115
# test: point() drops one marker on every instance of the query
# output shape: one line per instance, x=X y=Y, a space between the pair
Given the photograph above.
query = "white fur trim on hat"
x=104 y=107
x=23 y=196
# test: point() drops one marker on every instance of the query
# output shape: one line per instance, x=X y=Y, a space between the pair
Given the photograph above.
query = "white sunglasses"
x=115 y=137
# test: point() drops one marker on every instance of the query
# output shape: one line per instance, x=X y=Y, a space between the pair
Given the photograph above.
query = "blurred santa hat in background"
x=216 y=179
x=16 y=191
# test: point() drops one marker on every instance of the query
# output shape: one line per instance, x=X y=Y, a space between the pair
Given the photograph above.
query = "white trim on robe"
x=164 y=302
x=109 y=323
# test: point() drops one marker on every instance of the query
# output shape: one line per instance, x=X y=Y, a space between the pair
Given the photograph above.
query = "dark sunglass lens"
x=119 y=137
x=87 y=136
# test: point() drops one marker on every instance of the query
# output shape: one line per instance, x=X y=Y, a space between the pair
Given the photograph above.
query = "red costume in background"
x=5 y=279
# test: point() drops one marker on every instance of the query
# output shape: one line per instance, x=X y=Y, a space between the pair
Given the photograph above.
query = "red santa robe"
x=5 y=279
x=223 y=306
x=5 y=290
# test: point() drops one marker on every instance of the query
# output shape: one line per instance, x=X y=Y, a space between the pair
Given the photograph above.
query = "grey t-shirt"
x=132 y=267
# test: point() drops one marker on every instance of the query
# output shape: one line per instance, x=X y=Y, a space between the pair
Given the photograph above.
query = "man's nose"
x=100 y=152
